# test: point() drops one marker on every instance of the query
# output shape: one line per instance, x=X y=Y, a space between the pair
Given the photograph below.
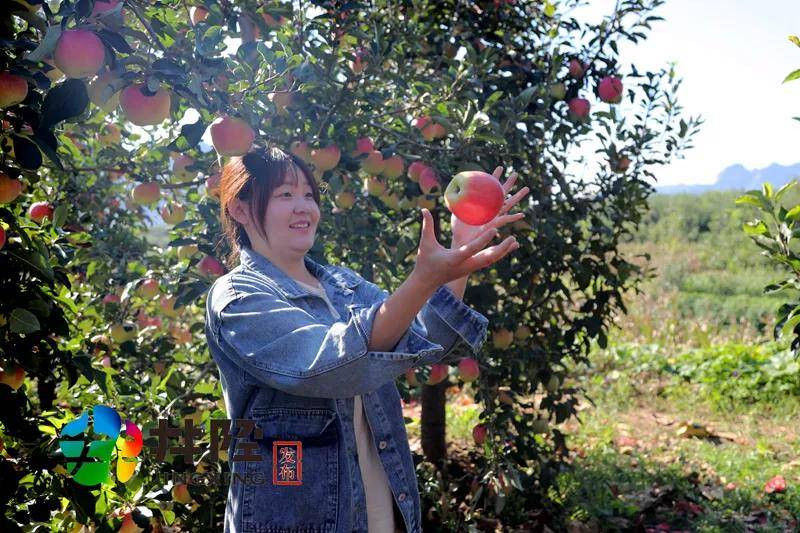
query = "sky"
x=732 y=56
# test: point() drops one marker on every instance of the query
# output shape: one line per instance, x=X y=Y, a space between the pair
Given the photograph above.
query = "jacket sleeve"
x=284 y=347
x=444 y=320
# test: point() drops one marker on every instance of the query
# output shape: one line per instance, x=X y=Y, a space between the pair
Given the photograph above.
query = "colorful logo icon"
x=88 y=443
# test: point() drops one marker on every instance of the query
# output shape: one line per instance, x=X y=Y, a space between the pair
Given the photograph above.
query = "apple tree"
x=118 y=114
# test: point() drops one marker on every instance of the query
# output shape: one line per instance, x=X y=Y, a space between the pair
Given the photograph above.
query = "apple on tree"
x=438 y=374
x=144 y=108
x=393 y=167
x=38 y=211
x=13 y=89
x=579 y=108
x=326 y=158
x=79 y=53
x=100 y=91
x=468 y=369
x=474 y=197
x=10 y=188
x=610 y=90
x=231 y=136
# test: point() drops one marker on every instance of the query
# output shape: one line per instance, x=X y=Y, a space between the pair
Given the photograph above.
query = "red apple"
x=210 y=267
x=231 y=136
x=373 y=164
x=364 y=145
x=180 y=493
x=146 y=193
x=13 y=89
x=111 y=299
x=374 y=186
x=167 y=304
x=179 y=164
x=479 y=434
x=128 y=525
x=433 y=131
x=10 y=188
x=391 y=200
x=173 y=213
x=282 y=101
x=393 y=167
x=502 y=338
x=197 y=14
x=577 y=68
x=438 y=374
x=301 y=150
x=415 y=169
x=212 y=186
x=79 y=53
x=428 y=180
x=101 y=7
x=468 y=369
x=344 y=200
x=149 y=288
x=145 y=109
x=326 y=158
x=474 y=197
x=621 y=164
x=13 y=376
x=579 y=108
x=610 y=90
x=421 y=122
x=38 y=211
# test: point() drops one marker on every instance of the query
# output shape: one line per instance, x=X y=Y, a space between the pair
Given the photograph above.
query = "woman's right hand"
x=437 y=265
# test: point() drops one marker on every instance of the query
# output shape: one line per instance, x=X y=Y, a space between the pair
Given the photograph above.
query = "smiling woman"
x=310 y=354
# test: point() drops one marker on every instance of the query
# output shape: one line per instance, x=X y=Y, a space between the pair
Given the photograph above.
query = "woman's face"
x=292 y=203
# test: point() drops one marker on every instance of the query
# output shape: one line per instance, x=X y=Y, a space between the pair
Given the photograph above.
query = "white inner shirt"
x=380 y=511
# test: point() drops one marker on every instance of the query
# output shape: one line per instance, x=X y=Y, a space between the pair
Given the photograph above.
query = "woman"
x=310 y=354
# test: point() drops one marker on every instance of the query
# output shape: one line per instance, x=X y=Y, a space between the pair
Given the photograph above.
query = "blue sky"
x=732 y=56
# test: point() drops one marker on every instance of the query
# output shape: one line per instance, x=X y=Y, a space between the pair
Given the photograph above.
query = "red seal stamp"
x=287 y=462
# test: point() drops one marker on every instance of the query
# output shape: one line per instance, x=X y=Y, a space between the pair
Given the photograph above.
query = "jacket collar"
x=327 y=275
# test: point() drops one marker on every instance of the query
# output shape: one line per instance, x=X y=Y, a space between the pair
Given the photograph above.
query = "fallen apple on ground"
x=474 y=197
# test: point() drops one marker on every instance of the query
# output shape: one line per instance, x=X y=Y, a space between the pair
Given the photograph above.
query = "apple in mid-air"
x=474 y=197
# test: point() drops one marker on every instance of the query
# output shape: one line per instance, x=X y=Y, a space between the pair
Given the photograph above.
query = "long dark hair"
x=252 y=178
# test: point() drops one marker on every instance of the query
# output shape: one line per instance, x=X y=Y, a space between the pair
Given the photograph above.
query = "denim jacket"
x=288 y=366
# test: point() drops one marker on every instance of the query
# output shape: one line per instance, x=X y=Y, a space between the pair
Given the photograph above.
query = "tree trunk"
x=433 y=423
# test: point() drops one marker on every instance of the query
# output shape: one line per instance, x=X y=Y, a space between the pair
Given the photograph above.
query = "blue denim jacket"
x=286 y=364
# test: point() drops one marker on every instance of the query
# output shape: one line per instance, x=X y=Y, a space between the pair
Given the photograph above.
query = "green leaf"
x=793 y=76
x=64 y=101
x=750 y=200
x=795 y=39
x=48 y=44
x=23 y=321
x=756 y=228
x=793 y=213
x=60 y=215
x=783 y=189
x=766 y=188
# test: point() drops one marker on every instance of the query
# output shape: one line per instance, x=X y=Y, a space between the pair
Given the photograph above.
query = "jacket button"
x=382 y=445
x=402 y=496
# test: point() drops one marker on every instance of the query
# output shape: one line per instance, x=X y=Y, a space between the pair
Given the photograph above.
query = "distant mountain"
x=737 y=177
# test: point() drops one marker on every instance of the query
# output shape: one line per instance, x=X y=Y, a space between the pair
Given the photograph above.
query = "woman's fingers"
x=476 y=244
x=492 y=254
x=509 y=184
x=498 y=172
x=428 y=235
x=514 y=200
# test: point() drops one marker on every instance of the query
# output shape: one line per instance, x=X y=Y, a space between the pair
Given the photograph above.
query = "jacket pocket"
x=299 y=466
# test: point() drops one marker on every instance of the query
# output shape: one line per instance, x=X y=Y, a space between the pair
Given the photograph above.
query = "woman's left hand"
x=464 y=233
